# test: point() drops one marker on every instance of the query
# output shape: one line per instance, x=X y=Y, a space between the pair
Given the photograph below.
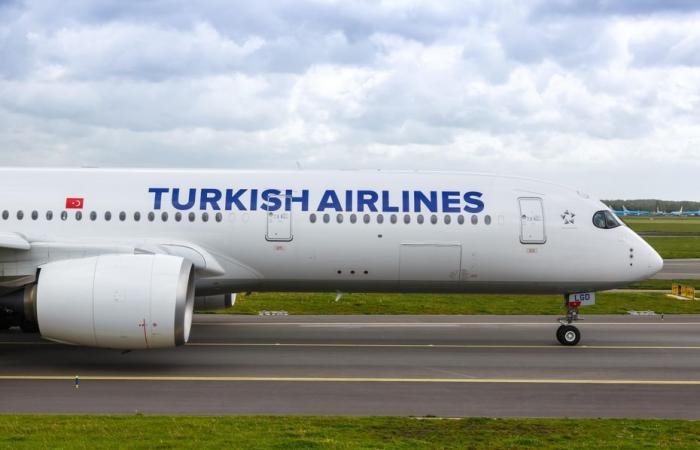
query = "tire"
x=560 y=333
x=568 y=335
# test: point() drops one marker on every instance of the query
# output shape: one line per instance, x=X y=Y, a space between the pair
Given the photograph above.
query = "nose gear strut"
x=567 y=333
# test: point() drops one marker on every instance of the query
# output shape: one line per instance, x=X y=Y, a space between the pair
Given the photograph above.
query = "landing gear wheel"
x=568 y=335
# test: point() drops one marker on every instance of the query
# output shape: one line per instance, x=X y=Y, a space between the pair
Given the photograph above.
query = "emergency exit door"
x=532 y=221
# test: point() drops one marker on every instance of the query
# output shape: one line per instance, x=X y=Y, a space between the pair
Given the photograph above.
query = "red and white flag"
x=75 y=203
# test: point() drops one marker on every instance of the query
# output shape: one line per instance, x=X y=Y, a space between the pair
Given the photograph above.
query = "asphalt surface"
x=680 y=269
x=628 y=366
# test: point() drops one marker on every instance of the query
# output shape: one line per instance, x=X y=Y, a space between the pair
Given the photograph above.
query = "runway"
x=680 y=269
x=452 y=366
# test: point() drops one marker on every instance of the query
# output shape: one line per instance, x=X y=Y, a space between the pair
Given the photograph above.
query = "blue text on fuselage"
x=329 y=200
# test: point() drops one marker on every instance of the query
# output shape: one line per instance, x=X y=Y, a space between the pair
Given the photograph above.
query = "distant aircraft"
x=678 y=213
x=118 y=258
x=626 y=212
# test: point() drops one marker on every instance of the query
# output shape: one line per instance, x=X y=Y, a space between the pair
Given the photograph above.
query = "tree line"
x=652 y=205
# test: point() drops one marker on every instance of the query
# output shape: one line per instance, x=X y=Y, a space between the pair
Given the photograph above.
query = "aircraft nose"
x=654 y=261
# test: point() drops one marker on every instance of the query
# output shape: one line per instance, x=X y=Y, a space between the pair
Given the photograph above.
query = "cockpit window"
x=605 y=220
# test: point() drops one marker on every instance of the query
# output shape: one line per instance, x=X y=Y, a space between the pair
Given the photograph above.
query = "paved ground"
x=680 y=269
x=358 y=365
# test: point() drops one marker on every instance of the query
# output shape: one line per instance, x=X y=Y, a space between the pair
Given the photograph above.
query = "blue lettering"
x=348 y=200
x=234 y=199
x=209 y=197
x=289 y=199
x=330 y=200
x=386 y=204
x=474 y=205
x=450 y=202
x=190 y=200
x=367 y=198
x=158 y=200
x=405 y=201
x=271 y=199
x=420 y=198
x=253 y=199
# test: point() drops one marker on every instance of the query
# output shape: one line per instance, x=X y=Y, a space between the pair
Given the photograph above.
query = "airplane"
x=626 y=212
x=678 y=213
x=117 y=258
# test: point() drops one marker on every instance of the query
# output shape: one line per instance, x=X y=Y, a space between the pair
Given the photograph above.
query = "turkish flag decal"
x=75 y=203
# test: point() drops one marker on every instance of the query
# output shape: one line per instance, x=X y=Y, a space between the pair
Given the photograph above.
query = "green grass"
x=90 y=432
x=664 y=284
x=324 y=303
x=676 y=247
x=684 y=225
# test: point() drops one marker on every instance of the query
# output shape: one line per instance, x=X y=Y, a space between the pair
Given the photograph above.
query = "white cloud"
x=599 y=96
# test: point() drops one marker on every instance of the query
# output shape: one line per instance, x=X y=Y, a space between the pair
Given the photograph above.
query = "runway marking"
x=434 y=346
x=351 y=380
x=430 y=325
x=416 y=346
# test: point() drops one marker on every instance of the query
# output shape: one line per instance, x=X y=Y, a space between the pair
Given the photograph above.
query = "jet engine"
x=114 y=301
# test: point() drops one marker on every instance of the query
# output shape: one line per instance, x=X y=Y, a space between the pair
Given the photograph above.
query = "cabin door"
x=532 y=221
x=279 y=224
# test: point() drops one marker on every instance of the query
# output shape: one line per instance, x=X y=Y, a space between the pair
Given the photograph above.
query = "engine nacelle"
x=117 y=301
x=211 y=302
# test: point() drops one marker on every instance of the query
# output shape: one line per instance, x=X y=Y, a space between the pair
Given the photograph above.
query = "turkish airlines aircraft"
x=115 y=258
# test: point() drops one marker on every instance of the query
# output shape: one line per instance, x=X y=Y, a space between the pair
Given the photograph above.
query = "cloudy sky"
x=601 y=95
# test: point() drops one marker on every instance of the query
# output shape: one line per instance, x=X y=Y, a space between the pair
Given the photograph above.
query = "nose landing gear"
x=568 y=334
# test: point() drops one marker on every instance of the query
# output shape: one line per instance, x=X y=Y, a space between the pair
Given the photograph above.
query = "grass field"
x=36 y=432
x=324 y=303
x=683 y=225
x=664 y=284
x=676 y=247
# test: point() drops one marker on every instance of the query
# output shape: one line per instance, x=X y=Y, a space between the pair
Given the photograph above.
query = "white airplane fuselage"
x=352 y=231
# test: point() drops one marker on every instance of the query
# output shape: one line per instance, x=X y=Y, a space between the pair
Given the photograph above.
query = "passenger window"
x=326 y=218
x=49 y=215
x=420 y=219
x=64 y=215
x=137 y=216
x=394 y=219
x=108 y=216
x=93 y=216
x=407 y=219
x=78 y=215
x=164 y=216
x=353 y=218
x=487 y=220
x=339 y=218
x=433 y=219
x=122 y=216
x=460 y=219
x=366 y=218
x=5 y=215
x=151 y=216
x=20 y=215
x=219 y=217
x=192 y=216
x=475 y=219
x=448 y=219
x=312 y=218
x=205 y=217
x=380 y=218
x=35 y=215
